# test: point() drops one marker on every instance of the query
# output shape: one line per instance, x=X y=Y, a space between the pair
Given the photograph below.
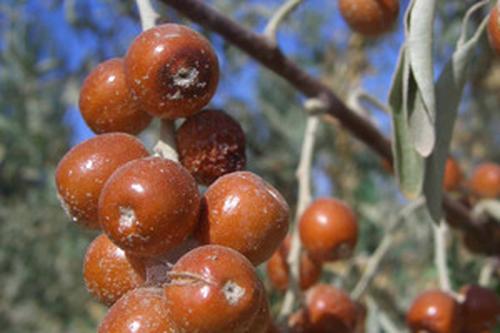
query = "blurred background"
x=47 y=47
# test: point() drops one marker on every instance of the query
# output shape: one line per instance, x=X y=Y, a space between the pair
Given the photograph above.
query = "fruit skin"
x=278 y=270
x=485 y=181
x=173 y=70
x=370 y=17
x=329 y=309
x=481 y=309
x=108 y=273
x=211 y=144
x=436 y=312
x=452 y=175
x=149 y=206
x=328 y=229
x=82 y=172
x=214 y=289
x=141 y=310
x=494 y=30
x=241 y=211
x=107 y=103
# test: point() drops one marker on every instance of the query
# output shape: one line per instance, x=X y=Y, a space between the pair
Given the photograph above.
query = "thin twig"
x=270 y=56
x=487 y=272
x=303 y=175
x=382 y=318
x=279 y=16
x=465 y=22
x=377 y=256
x=440 y=256
x=374 y=101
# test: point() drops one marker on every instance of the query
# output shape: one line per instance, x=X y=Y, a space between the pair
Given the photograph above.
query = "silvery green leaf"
x=419 y=43
x=449 y=89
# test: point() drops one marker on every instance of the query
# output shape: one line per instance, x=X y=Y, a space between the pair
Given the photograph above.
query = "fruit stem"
x=303 y=175
x=440 y=255
x=165 y=147
x=148 y=12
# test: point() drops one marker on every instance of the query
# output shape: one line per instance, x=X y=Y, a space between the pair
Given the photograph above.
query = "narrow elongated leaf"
x=449 y=89
x=420 y=41
x=407 y=163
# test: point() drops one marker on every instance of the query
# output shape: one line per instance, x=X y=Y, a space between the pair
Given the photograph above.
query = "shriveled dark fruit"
x=244 y=212
x=211 y=144
x=434 y=311
x=149 y=206
x=82 y=172
x=370 y=17
x=173 y=71
x=107 y=103
x=481 y=309
x=214 y=289
x=108 y=272
x=141 y=310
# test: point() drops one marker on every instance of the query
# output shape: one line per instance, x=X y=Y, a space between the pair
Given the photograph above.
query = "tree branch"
x=269 y=55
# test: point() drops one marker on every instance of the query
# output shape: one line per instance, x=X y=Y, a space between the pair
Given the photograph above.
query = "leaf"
x=407 y=163
x=419 y=44
x=449 y=89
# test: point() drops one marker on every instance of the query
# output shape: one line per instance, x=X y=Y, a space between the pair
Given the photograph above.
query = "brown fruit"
x=149 y=206
x=328 y=229
x=278 y=270
x=434 y=311
x=370 y=17
x=141 y=310
x=214 y=289
x=107 y=103
x=243 y=212
x=108 y=273
x=173 y=70
x=452 y=175
x=494 y=30
x=211 y=144
x=481 y=309
x=485 y=181
x=329 y=309
x=82 y=172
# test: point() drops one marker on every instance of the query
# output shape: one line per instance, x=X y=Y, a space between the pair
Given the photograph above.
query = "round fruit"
x=211 y=144
x=436 y=312
x=107 y=103
x=243 y=212
x=173 y=70
x=278 y=270
x=452 y=175
x=481 y=309
x=328 y=229
x=370 y=17
x=214 y=289
x=494 y=30
x=330 y=309
x=149 y=206
x=107 y=272
x=82 y=172
x=141 y=310
x=485 y=181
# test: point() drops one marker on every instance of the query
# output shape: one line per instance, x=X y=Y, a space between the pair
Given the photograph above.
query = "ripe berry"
x=452 y=175
x=214 y=289
x=481 y=309
x=107 y=103
x=173 y=70
x=141 y=310
x=81 y=173
x=243 y=212
x=485 y=181
x=329 y=309
x=328 y=229
x=211 y=144
x=370 y=17
x=108 y=273
x=278 y=270
x=436 y=312
x=149 y=206
x=494 y=30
